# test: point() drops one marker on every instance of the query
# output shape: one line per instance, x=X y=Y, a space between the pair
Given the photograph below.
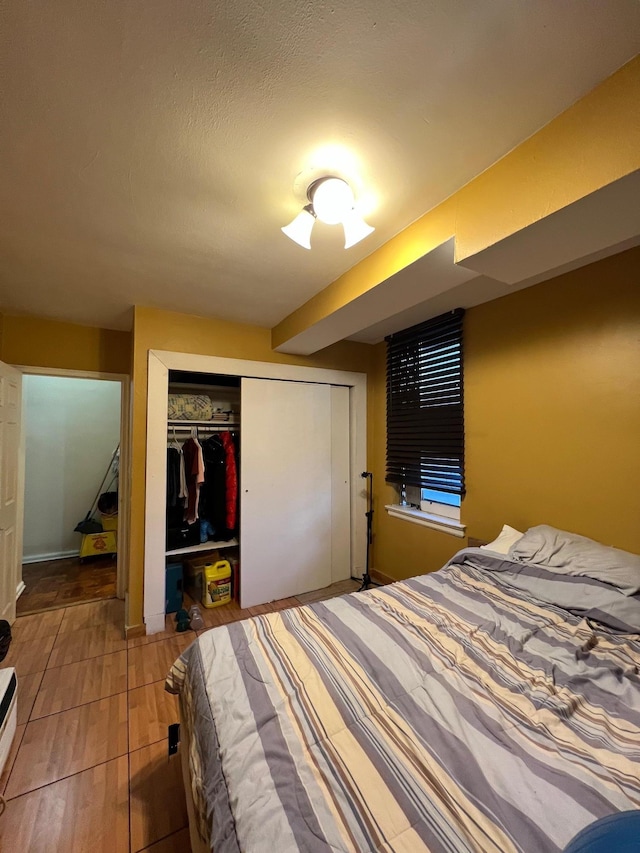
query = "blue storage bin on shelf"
x=173 y=588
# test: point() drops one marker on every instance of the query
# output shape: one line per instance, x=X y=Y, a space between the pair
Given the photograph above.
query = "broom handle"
x=104 y=480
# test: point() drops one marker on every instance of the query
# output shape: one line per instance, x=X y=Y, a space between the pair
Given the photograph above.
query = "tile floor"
x=89 y=768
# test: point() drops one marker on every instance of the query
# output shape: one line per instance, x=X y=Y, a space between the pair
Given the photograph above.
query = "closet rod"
x=204 y=427
x=182 y=423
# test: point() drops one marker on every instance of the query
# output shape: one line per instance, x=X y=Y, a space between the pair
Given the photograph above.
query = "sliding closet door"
x=287 y=488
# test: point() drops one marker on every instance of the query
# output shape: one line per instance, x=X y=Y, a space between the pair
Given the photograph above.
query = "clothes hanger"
x=175 y=443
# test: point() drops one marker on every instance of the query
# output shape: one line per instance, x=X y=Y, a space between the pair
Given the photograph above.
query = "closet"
x=291 y=532
x=202 y=506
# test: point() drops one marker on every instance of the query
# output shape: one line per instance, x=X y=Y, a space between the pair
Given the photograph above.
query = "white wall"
x=72 y=426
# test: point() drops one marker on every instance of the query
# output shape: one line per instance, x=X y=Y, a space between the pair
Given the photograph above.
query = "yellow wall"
x=552 y=417
x=162 y=330
x=36 y=342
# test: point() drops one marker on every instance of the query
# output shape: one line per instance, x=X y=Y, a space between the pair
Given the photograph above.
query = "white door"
x=10 y=520
x=287 y=491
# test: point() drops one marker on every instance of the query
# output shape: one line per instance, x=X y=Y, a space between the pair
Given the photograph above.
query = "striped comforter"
x=458 y=711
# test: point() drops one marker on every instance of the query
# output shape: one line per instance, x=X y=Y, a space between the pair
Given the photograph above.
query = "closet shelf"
x=203 y=546
x=183 y=423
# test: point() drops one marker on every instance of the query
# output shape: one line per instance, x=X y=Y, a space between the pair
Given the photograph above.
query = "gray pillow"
x=568 y=553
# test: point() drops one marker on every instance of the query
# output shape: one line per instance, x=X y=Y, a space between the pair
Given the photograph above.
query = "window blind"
x=425 y=406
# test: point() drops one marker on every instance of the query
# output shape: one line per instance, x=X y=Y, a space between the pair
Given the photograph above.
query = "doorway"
x=72 y=428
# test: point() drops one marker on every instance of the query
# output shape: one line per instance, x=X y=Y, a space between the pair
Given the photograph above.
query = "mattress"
x=479 y=708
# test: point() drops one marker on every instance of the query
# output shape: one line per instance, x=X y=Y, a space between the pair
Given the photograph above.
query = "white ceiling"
x=151 y=150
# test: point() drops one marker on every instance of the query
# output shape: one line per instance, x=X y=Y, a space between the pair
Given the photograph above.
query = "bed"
x=491 y=706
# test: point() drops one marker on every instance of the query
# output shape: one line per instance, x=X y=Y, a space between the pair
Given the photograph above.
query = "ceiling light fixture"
x=331 y=201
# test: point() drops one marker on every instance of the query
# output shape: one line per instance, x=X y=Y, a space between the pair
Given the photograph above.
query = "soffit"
x=604 y=223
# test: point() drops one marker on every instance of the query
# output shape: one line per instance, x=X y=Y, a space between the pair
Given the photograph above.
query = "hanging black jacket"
x=173 y=476
x=213 y=492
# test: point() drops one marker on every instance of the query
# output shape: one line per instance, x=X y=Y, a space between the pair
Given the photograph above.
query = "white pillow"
x=507 y=537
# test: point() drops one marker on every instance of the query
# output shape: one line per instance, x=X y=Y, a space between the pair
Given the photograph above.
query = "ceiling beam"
x=513 y=220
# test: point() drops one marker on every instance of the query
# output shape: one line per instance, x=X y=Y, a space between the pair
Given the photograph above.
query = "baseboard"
x=54 y=555
x=380 y=577
x=20 y=589
x=133 y=631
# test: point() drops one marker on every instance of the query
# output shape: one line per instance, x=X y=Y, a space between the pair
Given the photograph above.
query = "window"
x=425 y=412
x=434 y=496
x=440 y=503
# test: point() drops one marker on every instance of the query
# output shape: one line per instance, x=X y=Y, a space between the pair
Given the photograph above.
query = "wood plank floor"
x=60 y=583
x=88 y=769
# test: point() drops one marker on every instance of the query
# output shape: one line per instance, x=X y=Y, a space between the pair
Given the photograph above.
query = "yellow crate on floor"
x=95 y=544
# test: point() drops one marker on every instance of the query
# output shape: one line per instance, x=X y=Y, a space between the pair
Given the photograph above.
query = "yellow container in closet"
x=94 y=544
x=217 y=583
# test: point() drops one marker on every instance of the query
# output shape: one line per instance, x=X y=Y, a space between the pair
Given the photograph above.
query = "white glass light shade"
x=299 y=229
x=355 y=229
x=332 y=200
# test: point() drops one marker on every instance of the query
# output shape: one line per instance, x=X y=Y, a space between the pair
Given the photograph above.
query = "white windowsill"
x=427 y=519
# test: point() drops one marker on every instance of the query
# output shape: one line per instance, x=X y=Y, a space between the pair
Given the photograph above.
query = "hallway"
x=60 y=583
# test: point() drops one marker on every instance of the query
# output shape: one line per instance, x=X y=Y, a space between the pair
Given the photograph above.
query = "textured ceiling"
x=151 y=150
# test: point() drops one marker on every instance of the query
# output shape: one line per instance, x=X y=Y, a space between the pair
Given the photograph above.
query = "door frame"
x=160 y=362
x=122 y=554
x=18 y=499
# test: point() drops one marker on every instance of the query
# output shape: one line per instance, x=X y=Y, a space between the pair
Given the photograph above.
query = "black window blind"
x=425 y=405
